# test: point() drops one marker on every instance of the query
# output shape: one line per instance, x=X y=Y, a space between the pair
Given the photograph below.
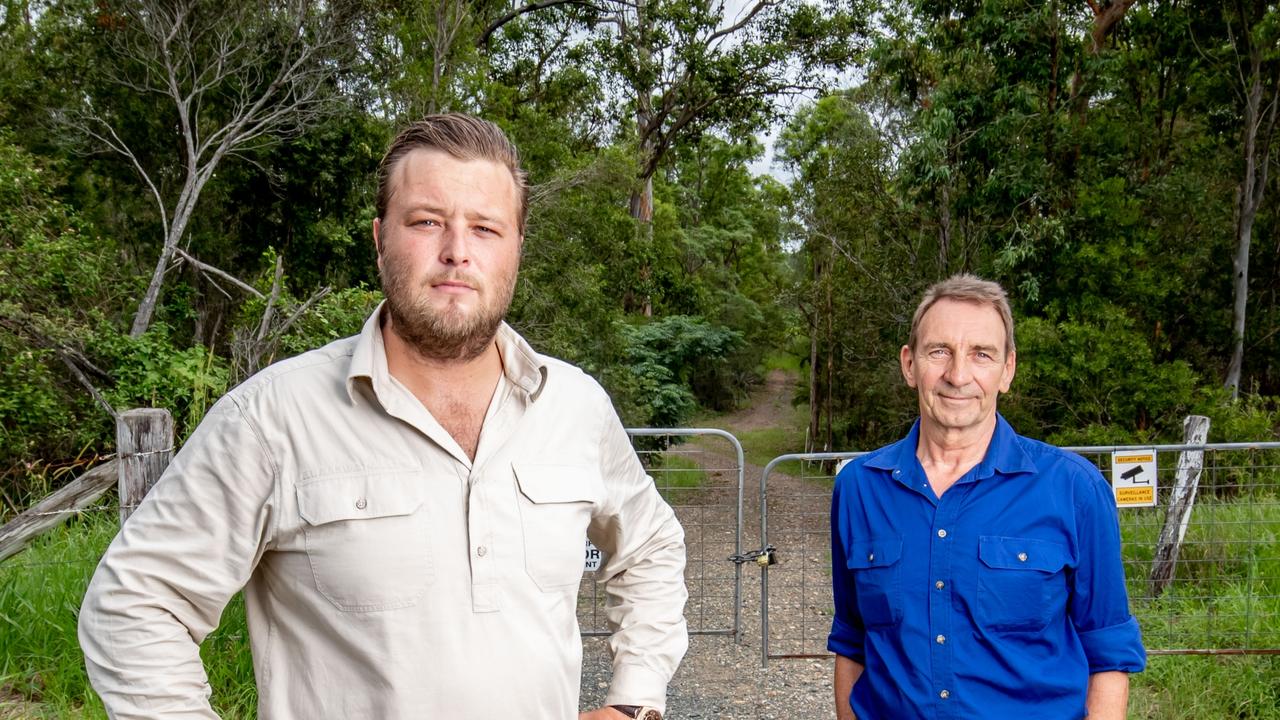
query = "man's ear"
x=377 y=240
x=907 y=359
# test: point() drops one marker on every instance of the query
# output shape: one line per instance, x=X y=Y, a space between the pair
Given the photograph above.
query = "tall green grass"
x=41 y=667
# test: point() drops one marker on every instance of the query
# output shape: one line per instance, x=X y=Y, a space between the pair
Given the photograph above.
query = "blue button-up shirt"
x=996 y=600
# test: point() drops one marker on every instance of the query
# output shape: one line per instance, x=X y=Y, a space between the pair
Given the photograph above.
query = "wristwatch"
x=639 y=712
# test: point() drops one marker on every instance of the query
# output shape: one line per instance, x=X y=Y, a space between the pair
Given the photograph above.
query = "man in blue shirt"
x=977 y=573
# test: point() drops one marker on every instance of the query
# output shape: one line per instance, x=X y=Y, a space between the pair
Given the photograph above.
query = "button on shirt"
x=998 y=599
x=385 y=574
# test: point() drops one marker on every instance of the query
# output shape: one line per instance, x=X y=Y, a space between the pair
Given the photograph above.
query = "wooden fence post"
x=1195 y=431
x=144 y=446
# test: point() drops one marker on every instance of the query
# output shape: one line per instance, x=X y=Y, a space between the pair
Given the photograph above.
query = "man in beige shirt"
x=404 y=509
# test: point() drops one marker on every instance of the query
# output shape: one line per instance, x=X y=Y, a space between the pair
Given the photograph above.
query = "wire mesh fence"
x=1223 y=596
x=700 y=473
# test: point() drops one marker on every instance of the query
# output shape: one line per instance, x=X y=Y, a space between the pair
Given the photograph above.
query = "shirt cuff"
x=637 y=685
x=1118 y=647
x=847 y=641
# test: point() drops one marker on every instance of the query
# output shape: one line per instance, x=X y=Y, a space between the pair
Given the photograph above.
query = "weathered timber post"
x=144 y=446
x=1195 y=431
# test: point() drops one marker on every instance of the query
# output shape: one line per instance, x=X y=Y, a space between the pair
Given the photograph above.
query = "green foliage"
x=59 y=282
x=337 y=315
x=152 y=371
x=1090 y=379
x=672 y=358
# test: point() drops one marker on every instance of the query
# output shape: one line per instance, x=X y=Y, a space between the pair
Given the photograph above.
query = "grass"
x=41 y=667
x=676 y=475
x=1190 y=687
x=780 y=360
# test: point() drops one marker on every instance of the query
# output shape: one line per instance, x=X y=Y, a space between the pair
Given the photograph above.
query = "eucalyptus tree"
x=1253 y=29
x=685 y=67
x=230 y=75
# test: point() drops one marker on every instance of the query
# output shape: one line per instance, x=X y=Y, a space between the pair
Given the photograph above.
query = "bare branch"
x=716 y=36
x=211 y=270
x=483 y=40
x=81 y=378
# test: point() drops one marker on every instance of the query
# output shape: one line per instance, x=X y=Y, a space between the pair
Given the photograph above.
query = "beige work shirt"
x=385 y=574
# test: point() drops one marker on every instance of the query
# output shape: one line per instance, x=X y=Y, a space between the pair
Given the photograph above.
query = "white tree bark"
x=1261 y=97
x=237 y=75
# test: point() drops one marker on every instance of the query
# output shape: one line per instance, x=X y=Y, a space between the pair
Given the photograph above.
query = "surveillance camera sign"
x=1133 y=477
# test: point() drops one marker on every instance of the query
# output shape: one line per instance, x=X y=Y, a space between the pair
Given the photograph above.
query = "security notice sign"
x=1133 y=477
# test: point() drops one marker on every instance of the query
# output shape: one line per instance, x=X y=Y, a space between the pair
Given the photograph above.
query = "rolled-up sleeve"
x=643 y=574
x=1099 y=604
x=166 y=577
x=847 y=636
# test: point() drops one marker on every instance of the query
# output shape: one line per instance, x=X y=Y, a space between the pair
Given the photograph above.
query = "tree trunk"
x=147 y=308
x=1240 y=293
x=1256 y=140
x=815 y=408
x=831 y=352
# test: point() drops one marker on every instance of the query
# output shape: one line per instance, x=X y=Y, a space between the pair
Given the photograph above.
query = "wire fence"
x=1223 y=597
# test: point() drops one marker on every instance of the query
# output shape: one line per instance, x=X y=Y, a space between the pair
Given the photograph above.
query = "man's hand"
x=604 y=713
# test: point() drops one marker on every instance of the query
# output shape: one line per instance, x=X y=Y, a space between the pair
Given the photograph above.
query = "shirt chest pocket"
x=556 y=503
x=367 y=539
x=1021 y=583
x=877 y=580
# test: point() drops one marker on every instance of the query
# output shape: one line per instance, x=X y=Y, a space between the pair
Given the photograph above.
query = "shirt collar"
x=521 y=365
x=1004 y=455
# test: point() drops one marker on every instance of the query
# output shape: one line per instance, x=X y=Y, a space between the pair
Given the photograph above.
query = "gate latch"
x=764 y=558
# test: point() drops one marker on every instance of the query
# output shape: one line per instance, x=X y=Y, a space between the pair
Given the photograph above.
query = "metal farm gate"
x=1219 y=593
x=700 y=473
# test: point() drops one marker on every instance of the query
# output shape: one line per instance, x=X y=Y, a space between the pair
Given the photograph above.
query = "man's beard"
x=447 y=335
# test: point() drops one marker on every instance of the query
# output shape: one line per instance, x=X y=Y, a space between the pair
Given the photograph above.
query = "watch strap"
x=639 y=712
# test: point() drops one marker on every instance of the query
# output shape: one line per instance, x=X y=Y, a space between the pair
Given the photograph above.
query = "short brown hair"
x=966 y=288
x=463 y=137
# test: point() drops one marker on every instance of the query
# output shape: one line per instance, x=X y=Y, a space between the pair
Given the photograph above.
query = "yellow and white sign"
x=1133 y=477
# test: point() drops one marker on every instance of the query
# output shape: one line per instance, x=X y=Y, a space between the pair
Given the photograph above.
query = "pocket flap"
x=351 y=497
x=559 y=483
x=1011 y=553
x=878 y=552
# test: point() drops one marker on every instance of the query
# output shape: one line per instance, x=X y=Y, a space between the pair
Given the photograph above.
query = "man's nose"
x=453 y=246
x=958 y=373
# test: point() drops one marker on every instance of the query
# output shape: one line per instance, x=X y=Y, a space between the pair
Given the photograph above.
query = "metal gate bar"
x=686 y=475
